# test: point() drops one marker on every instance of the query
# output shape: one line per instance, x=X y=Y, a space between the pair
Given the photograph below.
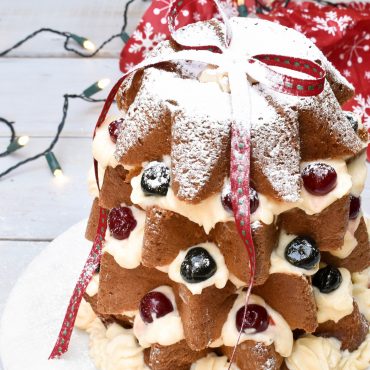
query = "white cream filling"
x=85 y=315
x=314 y=353
x=213 y=362
x=280 y=264
x=312 y=204
x=165 y=330
x=115 y=348
x=219 y=279
x=128 y=252
x=336 y=304
x=357 y=168
x=93 y=286
x=206 y=213
x=277 y=332
x=361 y=291
x=319 y=353
x=237 y=282
x=103 y=147
x=350 y=242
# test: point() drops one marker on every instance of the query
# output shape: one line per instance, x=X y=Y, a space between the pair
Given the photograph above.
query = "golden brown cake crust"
x=252 y=355
x=351 y=330
x=122 y=289
x=165 y=234
x=326 y=228
x=177 y=356
x=93 y=221
x=203 y=315
x=292 y=296
x=359 y=259
x=116 y=188
x=233 y=249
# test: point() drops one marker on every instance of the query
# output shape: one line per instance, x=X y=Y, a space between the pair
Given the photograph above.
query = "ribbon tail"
x=93 y=261
x=240 y=171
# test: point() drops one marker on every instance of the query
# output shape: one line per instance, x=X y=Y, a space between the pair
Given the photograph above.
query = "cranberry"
x=253 y=196
x=319 y=178
x=121 y=222
x=227 y=202
x=256 y=318
x=113 y=129
x=154 y=304
x=354 y=207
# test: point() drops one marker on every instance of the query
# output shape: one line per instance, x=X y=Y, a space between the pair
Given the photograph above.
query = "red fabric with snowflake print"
x=153 y=27
x=342 y=32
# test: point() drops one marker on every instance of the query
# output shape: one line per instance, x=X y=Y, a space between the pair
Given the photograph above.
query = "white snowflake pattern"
x=229 y=9
x=146 y=40
x=202 y=2
x=128 y=66
x=165 y=8
x=332 y=23
x=367 y=75
x=363 y=108
x=347 y=73
x=197 y=17
x=360 y=43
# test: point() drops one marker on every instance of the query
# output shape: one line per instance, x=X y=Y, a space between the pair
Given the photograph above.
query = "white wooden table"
x=35 y=207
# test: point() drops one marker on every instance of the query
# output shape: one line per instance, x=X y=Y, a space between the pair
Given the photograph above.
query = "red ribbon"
x=240 y=155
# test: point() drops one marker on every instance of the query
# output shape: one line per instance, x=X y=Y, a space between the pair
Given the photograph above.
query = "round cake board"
x=37 y=304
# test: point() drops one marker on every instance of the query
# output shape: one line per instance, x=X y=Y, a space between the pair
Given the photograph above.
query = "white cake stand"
x=36 y=307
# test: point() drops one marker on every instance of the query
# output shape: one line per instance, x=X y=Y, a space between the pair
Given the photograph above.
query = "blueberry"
x=302 y=252
x=352 y=120
x=198 y=265
x=156 y=179
x=327 y=279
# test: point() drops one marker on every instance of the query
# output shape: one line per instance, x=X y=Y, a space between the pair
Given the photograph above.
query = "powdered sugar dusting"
x=200 y=112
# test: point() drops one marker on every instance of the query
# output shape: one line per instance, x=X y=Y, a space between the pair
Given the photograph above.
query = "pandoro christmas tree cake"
x=171 y=288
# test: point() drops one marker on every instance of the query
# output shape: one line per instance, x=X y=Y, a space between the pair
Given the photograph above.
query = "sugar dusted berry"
x=354 y=207
x=198 y=265
x=319 y=178
x=154 y=305
x=327 y=279
x=256 y=318
x=113 y=129
x=121 y=222
x=302 y=252
x=155 y=179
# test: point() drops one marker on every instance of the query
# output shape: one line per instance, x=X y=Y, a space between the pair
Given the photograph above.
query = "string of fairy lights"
x=86 y=49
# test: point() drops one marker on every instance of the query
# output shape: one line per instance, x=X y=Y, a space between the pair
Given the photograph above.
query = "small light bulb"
x=88 y=45
x=23 y=140
x=103 y=83
x=58 y=173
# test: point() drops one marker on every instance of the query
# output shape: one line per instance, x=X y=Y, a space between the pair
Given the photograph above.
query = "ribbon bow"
x=215 y=47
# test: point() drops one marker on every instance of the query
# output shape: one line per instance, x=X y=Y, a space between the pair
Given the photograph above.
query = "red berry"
x=226 y=201
x=253 y=196
x=113 y=129
x=121 y=222
x=354 y=207
x=319 y=178
x=154 y=304
x=256 y=318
